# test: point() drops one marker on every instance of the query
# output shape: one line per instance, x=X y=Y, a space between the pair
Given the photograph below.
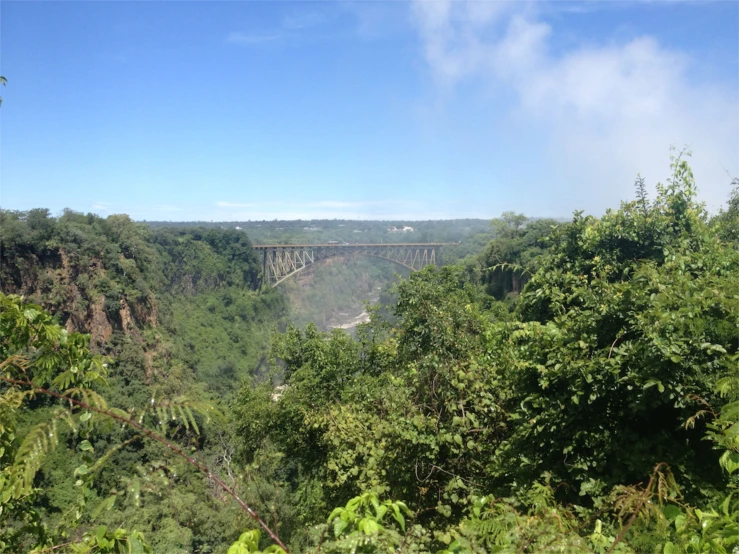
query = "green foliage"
x=367 y=525
x=512 y=257
x=249 y=542
x=726 y=222
x=223 y=335
x=574 y=388
x=33 y=349
x=586 y=419
x=176 y=313
x=629 y=320
x=104 y=540
x=39 y=358
x=195 y=260
x=322 y=231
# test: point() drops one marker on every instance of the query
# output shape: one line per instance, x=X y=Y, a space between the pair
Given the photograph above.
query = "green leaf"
x=238 y=548
x=250 y=539
x=653 y=382
x=30 y=314
x=730 y=461
x=334 y=514
x=369 y=526
x=339 y=526
x=106 y=504
x=399 y=516
x=671 y=512
x=135 y=546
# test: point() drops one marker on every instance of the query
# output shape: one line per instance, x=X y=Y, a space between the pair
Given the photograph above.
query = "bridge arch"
x=280 y=262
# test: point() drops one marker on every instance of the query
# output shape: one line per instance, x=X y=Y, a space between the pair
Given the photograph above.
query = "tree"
x=727 y=220
x=38 y=358
x=598 y=416
x=511 y=257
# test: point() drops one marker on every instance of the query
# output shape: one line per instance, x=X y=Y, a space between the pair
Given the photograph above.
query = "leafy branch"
x=119 y=416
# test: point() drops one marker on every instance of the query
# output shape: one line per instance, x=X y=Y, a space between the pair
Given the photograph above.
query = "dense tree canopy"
x=604 y=377
x=572 y=387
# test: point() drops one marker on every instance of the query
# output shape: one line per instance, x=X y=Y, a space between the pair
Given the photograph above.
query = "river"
x=349 y=321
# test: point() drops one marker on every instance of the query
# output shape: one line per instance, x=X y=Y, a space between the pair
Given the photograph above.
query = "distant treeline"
x=351 y=231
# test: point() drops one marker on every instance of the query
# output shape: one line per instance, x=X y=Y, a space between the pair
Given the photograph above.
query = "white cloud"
x=609 y=110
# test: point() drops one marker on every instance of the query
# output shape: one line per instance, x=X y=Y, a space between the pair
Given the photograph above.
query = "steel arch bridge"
x=280 y=261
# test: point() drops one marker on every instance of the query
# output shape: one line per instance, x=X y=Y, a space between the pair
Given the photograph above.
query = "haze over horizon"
x=235 y=111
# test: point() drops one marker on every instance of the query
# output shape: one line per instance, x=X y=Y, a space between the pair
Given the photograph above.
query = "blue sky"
x=384 y=110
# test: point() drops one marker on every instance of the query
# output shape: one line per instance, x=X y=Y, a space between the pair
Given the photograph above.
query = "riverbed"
x=349 y=321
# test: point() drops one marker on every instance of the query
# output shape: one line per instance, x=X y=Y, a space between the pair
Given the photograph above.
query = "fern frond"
x=64 y=380
x=183 y=410
x=41 y=440
x=88 y=396
x=12 y=399
x=730 y=412
x=119 y=413
x=15 y=361
x=188 y=413
x=727 y=385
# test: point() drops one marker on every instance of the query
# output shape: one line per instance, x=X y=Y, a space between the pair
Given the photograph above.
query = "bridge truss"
x=282 y=261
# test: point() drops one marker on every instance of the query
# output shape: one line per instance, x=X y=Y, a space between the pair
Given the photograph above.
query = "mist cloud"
x=608 y=110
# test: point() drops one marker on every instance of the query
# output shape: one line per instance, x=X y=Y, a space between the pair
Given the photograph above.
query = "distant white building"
x=237 y=228
x=403 y=229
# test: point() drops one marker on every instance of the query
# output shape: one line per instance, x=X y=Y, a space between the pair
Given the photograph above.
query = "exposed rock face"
x=78 y=295
x=99 y=326
x=127 y=322
x=145 y=312
x=71 y=291
x=187 y=285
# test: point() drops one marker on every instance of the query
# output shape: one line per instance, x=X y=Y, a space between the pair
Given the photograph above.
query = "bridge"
x=280 y=261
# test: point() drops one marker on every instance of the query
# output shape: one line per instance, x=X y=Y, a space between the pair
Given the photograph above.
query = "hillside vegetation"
x=567 y=388
x=319 y=231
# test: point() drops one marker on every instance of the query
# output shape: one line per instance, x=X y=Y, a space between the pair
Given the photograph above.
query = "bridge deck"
x=357 y=245
x=280 y=261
